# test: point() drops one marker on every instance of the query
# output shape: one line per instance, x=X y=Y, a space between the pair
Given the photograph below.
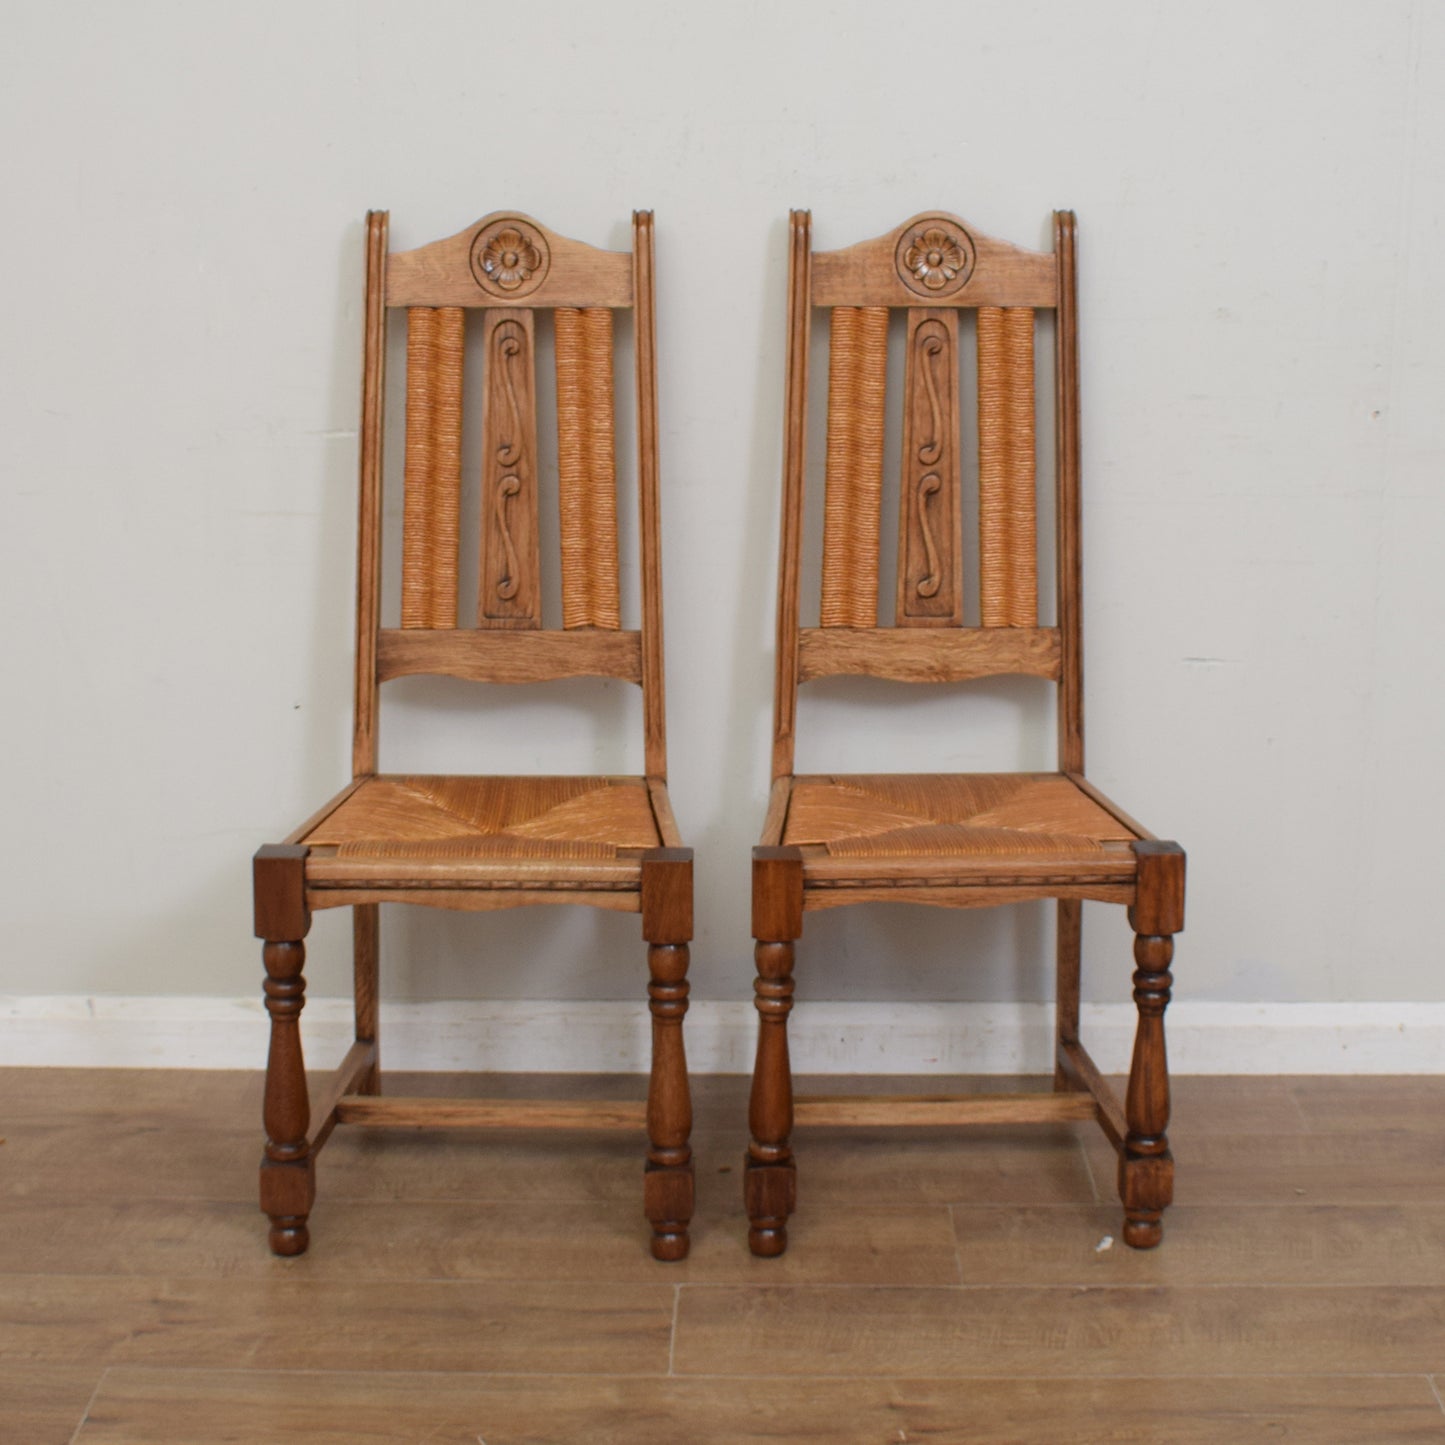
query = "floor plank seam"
x=1083 y=1148
x=672 y=1337
x=89 y=1405
x=890 y=1378
x=1299 y=1110
x=1435 y=1390
x=957 y=1247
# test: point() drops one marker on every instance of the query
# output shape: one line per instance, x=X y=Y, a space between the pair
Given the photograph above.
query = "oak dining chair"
x=481 y=843
x=950 y=840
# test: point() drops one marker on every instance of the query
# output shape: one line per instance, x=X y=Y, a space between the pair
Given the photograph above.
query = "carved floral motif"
x=509 y=259
x=935 y=257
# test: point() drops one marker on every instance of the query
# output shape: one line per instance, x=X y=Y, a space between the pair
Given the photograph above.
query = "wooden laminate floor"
x=466 y=1288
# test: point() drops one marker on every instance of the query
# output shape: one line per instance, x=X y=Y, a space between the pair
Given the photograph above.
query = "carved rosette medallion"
x=935 y=257
x=509 y=258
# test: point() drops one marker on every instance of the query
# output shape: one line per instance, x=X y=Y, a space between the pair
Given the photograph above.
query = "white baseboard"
x=510 y=1036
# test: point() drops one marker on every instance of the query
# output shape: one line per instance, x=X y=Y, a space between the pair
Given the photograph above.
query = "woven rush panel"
x=586 y=465
x=853 y=484
x=500 y=845
x=430 y=516
x=1008 y=524
x=1004 y=815
x=416 y=526
x=460 y=817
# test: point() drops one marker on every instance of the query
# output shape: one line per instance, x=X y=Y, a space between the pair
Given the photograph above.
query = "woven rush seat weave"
x=425 y=817
x=1000 y=815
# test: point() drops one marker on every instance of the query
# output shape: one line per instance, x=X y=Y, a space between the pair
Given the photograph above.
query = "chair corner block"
x=667 y=895
x=278 y=873
x=777 y=892
x=1159 y=892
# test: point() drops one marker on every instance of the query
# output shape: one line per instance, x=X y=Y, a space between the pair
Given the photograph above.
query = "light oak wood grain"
x=473 y=898
x=1337 y=1168
x=903 y=656
x=1067 y=528
x=128 y=1260
x=931 y=266
x=870 y=1167
x=935 y=1110
x=509 y=657
x=142 y=1406
x=369 y=498
x=291 y=1322
x=992 y=1165
x=1353 y=1104
x=1330 y=1244
x=866 y=274
x=795 y=442
x=601 y=1243
x=42 y=1404
x=440 y=274
x=443 y=1113
x=1110 y=1330
x=98 y=1096
x=170 y=1096
x=509 y=591
x=654 y=725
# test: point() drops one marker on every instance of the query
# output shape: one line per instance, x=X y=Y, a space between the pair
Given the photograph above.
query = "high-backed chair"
x=484 y=843
x=955 y=840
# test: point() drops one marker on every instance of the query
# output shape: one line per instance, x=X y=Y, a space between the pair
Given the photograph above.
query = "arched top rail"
x=934 y=259
x=509 y=259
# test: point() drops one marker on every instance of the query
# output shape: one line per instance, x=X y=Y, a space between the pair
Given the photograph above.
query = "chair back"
x=932 y=268
x=504 y=276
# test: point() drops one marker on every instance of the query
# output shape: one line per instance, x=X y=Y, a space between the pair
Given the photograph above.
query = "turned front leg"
x=1146 y=1167
x=288 y=1182
x=667 y=925
x=770 y=1178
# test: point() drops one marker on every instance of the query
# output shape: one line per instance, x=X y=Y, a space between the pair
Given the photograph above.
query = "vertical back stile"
x=587 y=477
x=509 y=593
x=853 y=494
x=930 y=533
x=1068 y=541
x=654 y=720
x=1008 y=525
x=800 y=310
x=368 y=530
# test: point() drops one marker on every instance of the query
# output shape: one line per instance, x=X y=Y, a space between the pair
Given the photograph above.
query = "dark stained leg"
x=1066 y=1007
x=366 y=955
x=1146 y=1167
x=667 y=927
x=288 y=1180
x=770 y=1180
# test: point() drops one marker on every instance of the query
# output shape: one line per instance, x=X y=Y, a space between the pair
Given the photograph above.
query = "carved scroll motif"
x=930 y=590
x=510 y=594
